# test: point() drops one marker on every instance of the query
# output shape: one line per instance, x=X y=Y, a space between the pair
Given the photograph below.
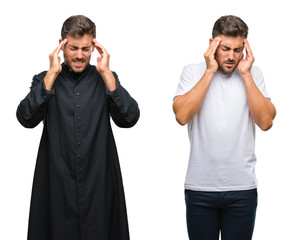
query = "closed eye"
x=238 y=50
x=86 y=49
x=225 y=49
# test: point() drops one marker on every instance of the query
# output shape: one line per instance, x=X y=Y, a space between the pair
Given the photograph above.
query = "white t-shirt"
x=222 y=133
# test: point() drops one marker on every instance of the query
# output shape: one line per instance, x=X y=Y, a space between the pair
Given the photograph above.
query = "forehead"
x=232 y=42
x=84 y=41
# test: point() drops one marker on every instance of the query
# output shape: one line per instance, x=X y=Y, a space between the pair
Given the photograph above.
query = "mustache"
x=78 y=59
x=229 y=61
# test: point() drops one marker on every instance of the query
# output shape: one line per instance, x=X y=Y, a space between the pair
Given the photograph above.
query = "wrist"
x=53 y=71
x=246 y=77
x=106 y=72
x=210 y=72
x=107 y=75
x=50 y=79
x=109 y=79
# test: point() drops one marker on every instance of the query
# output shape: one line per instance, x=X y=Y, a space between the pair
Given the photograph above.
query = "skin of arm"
x=187 y=105
x=103 y=66
x=261 y=108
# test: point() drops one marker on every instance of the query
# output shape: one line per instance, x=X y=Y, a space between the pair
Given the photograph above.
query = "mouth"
x=78 y=62
x=229 y=64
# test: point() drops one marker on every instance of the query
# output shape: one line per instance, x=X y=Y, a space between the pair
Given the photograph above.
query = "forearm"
x=186 y=106
x=123 y=108
x=33 y=108
x=109 y=80
x=50 y=79
x=261 y=108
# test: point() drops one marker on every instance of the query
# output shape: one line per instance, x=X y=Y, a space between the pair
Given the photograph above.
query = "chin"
x=77 y=70
x=226 y=70
x=230 y=70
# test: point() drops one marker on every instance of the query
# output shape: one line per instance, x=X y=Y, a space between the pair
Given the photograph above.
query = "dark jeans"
x=232 y=213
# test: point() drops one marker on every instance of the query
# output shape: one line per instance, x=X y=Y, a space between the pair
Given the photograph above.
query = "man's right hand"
x=187 y=105
x=55 y=66
x=209 y=55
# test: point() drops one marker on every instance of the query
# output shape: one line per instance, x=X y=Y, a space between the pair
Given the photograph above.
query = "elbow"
x=266 y=125
x=23 y=122
x=134 y=120
x=131 y=123
x=126 y=122
x=181 y=119
x=26 y=124
x=180 y=114
x=267 y=121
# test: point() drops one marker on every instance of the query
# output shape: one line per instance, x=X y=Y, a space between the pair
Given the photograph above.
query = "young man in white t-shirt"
x=221 y=100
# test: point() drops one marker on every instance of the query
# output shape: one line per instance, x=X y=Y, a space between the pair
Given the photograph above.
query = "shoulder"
x=195 y=67
x=255 y=71
x=41 y=75
x=194 y=71
x=257 y=74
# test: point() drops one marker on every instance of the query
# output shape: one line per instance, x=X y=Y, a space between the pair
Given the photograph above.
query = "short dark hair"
x=230 y=25
x=77 y=26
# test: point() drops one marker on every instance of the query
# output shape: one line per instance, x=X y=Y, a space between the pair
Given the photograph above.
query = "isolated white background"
x=149 y=42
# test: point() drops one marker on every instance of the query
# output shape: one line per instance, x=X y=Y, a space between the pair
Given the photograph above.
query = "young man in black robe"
x=77 y=191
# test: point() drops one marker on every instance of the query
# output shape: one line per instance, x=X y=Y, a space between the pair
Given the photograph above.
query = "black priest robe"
x=77 y=191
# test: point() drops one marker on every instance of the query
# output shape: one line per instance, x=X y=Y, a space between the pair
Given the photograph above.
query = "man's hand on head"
x=55 y=65
x=103 y=60
x=245 y=64
x=103 y=66
x=209 y=55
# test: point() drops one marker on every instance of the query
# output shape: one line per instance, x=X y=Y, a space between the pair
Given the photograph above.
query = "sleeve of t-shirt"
x=188 y=79
x=259 y=80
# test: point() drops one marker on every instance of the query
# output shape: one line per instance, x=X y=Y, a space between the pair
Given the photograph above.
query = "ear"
x=211 y=39
x=60 y=40
x=93 y=46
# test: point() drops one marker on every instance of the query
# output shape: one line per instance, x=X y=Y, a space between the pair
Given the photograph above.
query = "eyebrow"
x=230 y=48
x=72 y=46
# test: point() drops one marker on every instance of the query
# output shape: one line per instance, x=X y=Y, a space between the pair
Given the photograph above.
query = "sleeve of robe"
x=33 y=108
x=123 y=108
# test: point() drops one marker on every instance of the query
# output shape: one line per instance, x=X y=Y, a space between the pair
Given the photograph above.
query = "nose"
x=79 y=53
x=231 y=55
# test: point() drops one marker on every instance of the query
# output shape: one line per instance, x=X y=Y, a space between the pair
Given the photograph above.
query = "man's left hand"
x=245 y=64
x=103 y=60
x=103 y=66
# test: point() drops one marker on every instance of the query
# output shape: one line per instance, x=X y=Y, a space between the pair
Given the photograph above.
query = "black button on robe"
x=77 y=190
